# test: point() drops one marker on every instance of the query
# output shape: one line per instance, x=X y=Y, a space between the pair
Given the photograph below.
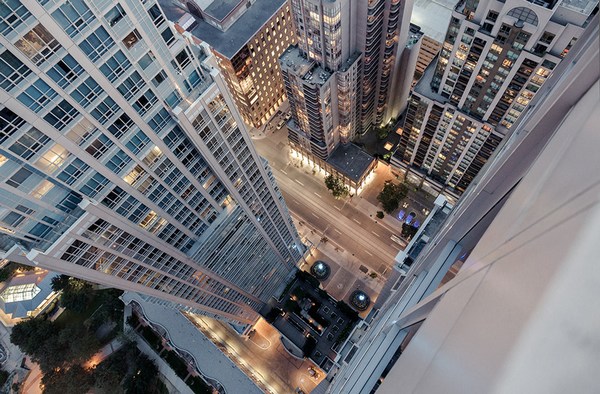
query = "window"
x=29 y=143
x=137 y=142
x=167 y=36
x=173 y=99
x=115 y=66
x=87 y=92
x=159 y=78
x=94 y=186
x=53 y=159
x=524 y=14
x=492 y=16
x=12 y=70
x=145 y=102
x=18 y=177
x=183 y=59
x=100 y=145
x=38 y=44
x=131 y=39
x=61 y=115
x=156 y=15
x=114 y=15
x=65 y=71
x=37 y=96
x=547 y=37
x=97 y=44
x=42 y=189
x=160 y=120
x=9 y=123
x=131 y=85
x=12 y=14
x=118 y=161
x=73 y=16
x=73 y=172
x=121 y=126
x=105 y=110
x=146 y=60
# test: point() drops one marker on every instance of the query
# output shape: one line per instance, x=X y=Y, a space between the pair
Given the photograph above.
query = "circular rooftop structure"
x=320 y=270
x=360 y=300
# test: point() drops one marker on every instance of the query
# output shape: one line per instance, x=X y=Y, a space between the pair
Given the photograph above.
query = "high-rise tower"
x=496 y=56
x=343 y=76
x=123 y=160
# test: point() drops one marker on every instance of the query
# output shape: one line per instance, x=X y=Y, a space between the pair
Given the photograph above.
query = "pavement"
x=261 y=356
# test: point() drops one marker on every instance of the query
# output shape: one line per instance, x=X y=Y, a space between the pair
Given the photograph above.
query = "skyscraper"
x=343 y=76
x=497 y=300
x=123 y=161
x=247 y=37
x=495 y=58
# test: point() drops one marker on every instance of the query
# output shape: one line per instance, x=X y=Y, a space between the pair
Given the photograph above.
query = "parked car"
x=401 y=215
x=280 y=124
x=410 y=217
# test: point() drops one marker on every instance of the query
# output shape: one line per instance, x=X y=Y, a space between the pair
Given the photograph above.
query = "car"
x=280 y=124
x=288 y=115
x=410 y=217
x=401 y=215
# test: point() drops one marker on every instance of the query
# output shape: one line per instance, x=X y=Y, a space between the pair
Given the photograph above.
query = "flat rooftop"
x=351 y=161
x=229 y=42
x=220 y=8
x=308 y=69
x=433 y=17
x=423 y=87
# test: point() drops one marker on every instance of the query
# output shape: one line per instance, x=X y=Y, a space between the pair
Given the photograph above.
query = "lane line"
x=338 y=208
x=296 y=201
x=369 y=253
x=317 y=194
x=300 y=183
x=378 y=236
x=283 y=172
x=337 y=231
x=318 y=217
x=356 y=221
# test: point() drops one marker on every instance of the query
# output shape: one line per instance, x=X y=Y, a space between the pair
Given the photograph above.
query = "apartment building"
x=495 y=58
x=247 y=39
x=124 y=161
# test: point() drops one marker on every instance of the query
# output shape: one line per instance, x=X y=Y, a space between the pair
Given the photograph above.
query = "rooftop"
x=229 y=42
x=351 y=161
x=220 y=8
x=308 y=69
x=433 y=16
x=423 y=87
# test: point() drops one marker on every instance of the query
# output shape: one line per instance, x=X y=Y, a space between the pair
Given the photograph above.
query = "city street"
x=345 y=223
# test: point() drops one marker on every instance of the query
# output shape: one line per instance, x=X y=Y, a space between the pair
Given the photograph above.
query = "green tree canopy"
x=391 y=195
x=337 y=187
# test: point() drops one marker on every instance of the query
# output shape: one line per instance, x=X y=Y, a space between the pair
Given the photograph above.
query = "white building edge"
x=517 y=316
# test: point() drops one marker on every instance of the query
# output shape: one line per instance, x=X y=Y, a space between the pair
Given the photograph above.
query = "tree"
x=337 y=187
x=72 y=380
x=391 y=195
x=29 y=334
x=76 y=293
x=145 y=377
x=380 y=214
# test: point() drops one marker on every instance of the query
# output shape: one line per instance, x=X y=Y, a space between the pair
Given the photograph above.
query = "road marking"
x=369 y=253
x=378 y=236
x=312 y=213
x=284 y=172
x=296 y=201
x=338 y=208
x=356 y=221
x=317 y=194
x=302 y=184
x=337 y=231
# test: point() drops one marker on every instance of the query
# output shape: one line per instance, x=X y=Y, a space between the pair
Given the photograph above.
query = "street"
x=345 y=223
